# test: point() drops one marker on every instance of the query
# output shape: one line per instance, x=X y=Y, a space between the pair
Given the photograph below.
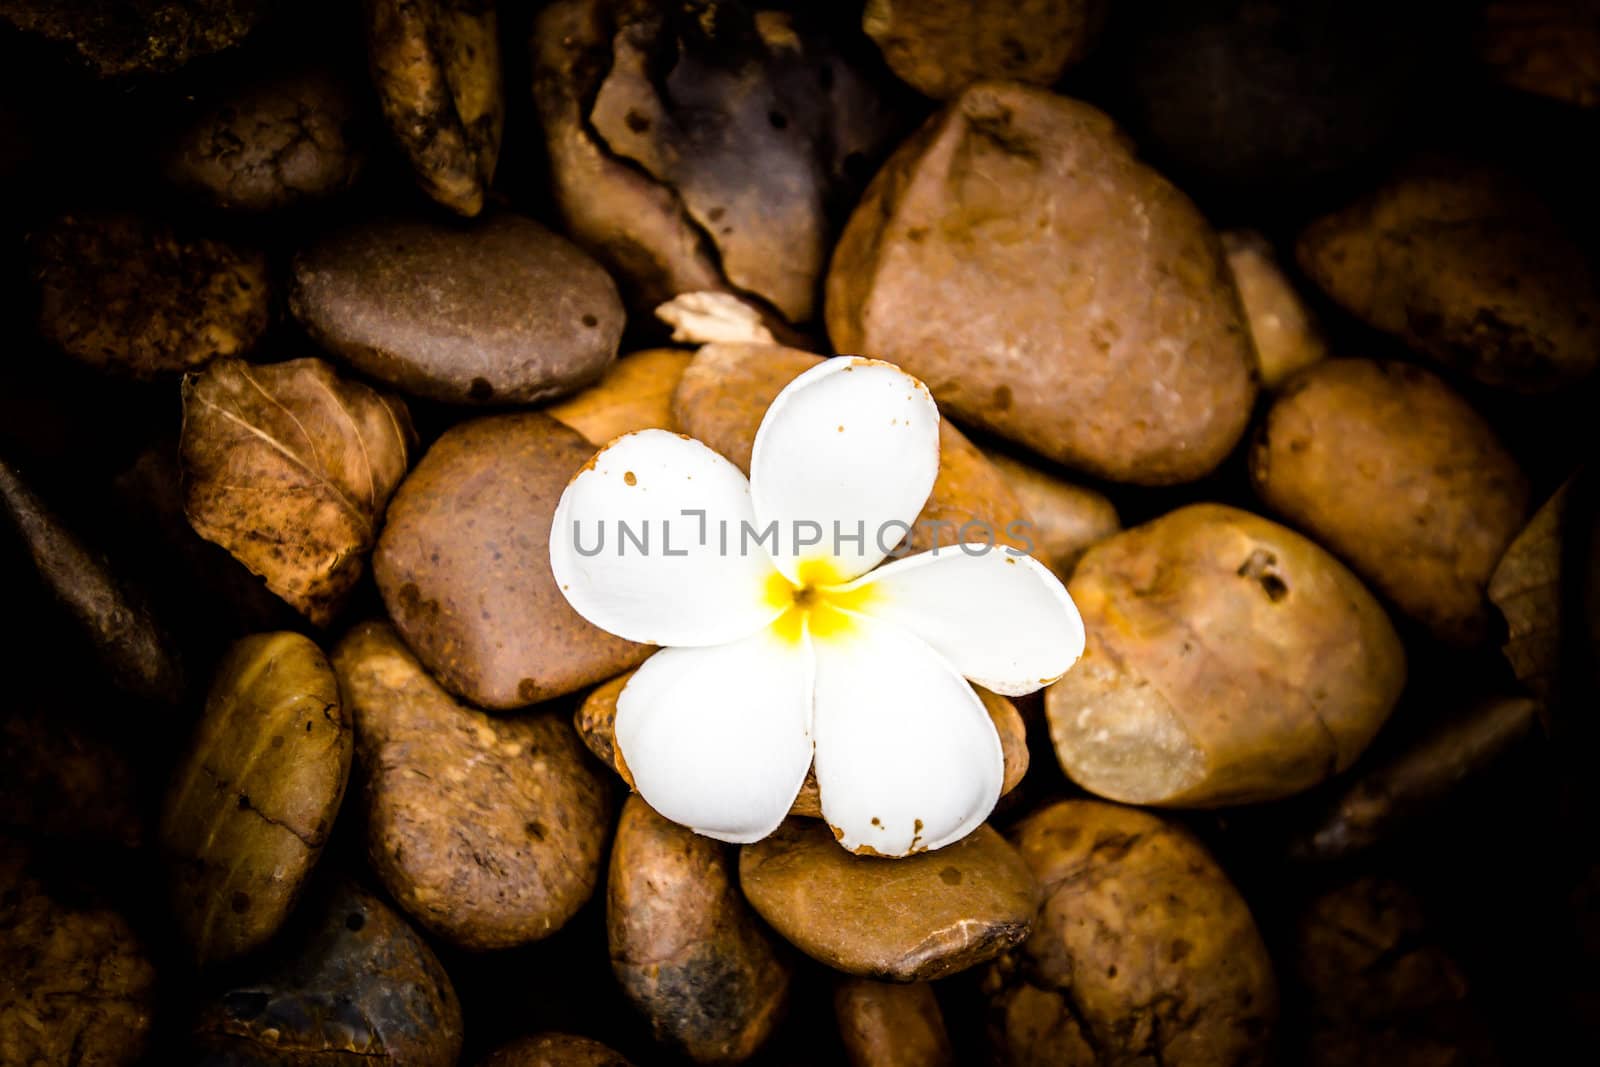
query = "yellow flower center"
x=818 y=604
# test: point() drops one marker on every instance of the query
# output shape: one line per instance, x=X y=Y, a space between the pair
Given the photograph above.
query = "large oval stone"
x=1229 y=661
x=1389 y=467
x=1144 y=952
x=499 y=311
x=685 y=947
x=1048 y=287
x=488 y=830
x=464 y=566
x=906 y=920
x=253 y=802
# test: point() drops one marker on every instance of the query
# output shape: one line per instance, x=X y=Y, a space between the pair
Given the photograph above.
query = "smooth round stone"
x=488 y=830
x=272 y=143
x=1049 y=288
x=685 y=947
x=463 y=565
x=136 y=297
x=884 y=1024
x=554 y=1050
x=1143 y=951
x=1389 y=467
x=499 y=311
x=353 y=982
x=76 y=986
x=904 y=920
x=1228 y=661
x=253 y=802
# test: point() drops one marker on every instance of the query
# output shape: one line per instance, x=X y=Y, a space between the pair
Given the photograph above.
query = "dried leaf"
x=1526 y=587
x=289 y=467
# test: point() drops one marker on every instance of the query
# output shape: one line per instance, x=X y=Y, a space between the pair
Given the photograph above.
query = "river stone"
x=253 y=802
x=76 y=986
x=463 y=565
x=499 y=311
x=635 y=393
x=1389 y=467
x=889 y=1024
x=1229 y=660
x=724 y=393
x=354 y=981
x=488 y=830
x=272 y=143
x=1143 y=952
x=685 y=947
x=436 y=68
x=554 y=1050
x=903 y=920
x=1050 y=288
x=136 y=297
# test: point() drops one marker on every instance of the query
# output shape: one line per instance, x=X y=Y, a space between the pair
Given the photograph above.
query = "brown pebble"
x=499 y=311
x=488 y=830
x=253 y=802
x=899 y=920
x=1386 y=465
x=685 y=947
x=1143 y=951
x=464 y=566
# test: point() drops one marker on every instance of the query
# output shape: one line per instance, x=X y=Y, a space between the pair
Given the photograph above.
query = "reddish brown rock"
x=1050 y=288
x=464 y=566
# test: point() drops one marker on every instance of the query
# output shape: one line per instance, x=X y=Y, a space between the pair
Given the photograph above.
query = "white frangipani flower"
x=781 y=643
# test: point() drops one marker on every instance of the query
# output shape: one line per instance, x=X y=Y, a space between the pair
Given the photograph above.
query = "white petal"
x=907 y=757
x=681 y=588
x=718 y=739
x=997 y=616
x=852 y=442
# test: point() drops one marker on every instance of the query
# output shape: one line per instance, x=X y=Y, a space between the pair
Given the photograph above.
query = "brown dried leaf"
x=1526 y=587
x=289 y=468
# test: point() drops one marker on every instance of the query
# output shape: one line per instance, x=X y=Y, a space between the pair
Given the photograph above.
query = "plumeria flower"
x=781 y=643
